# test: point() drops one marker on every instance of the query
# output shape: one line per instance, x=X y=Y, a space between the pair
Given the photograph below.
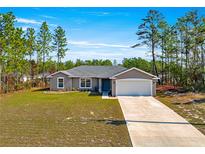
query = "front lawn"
x=34 y=118
x=191 y=106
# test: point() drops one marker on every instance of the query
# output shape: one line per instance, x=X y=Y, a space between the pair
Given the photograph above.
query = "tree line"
x=177 y=51
x=179 y=48
x=20 y=50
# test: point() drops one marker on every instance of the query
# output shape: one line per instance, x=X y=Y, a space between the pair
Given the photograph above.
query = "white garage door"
x=133 y=87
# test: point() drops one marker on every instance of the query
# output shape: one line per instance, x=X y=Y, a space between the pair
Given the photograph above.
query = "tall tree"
x=163 y=33
x=16 y=61
x=59 y=44
x=149 y=34
x=6 y=32
x=44 y=45
x=30 y=47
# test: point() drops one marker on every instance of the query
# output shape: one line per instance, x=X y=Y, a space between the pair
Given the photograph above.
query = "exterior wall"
x=95 y=84
x=75 y=83
x=67 y=82
x=133 y=74
x=113 y=87
x=100 y=85
x=154 y=88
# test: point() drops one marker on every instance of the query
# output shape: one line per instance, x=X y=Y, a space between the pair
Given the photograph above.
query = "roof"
x=98 y=71
x=92 y=71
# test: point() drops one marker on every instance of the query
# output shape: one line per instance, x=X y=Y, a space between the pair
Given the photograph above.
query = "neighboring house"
x=26 y=78
x=119 y=81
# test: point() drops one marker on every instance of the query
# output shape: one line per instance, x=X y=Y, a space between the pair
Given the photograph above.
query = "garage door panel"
x=133 y=87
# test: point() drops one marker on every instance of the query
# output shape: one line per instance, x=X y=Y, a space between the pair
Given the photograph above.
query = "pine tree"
x=44 y=48
x=30 y=47
x=59 y=44
x=148 y=34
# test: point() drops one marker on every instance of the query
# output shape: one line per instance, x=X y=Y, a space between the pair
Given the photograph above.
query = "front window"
x=60 y=82
x=85 y=83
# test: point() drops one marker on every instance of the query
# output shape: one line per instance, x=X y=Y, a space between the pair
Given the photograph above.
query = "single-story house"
x=117 y=80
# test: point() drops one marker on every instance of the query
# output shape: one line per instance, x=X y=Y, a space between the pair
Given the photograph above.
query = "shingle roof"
x=96 y=71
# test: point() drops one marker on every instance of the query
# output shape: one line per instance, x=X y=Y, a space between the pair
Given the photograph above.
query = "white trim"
x=85 y=83
x=133 y=68
x=58 y=82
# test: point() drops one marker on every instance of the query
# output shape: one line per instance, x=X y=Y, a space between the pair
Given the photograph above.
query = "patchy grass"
x=184 y=105
x=34 y=118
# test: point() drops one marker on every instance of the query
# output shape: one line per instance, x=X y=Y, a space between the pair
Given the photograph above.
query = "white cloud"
x=85 y=43
x=32 y=21
x=28 y=21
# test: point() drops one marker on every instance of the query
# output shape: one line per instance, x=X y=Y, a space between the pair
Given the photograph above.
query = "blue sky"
x=96 y=33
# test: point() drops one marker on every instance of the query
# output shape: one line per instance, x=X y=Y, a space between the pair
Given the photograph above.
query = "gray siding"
x=95 y=83
x=75 y=82
x=154 y=88
x=133 y=74
x=113 y=87
x=67 y=82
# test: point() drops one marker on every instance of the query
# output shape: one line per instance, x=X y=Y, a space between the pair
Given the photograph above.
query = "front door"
x=106 y=85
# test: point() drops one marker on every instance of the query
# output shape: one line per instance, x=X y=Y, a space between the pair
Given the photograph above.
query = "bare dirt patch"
x=191 y=106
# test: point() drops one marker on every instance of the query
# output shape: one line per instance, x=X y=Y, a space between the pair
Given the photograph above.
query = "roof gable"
x=64 y=72
x=136 y=69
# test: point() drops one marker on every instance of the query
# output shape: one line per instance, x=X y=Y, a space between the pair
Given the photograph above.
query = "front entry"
x=106 y=85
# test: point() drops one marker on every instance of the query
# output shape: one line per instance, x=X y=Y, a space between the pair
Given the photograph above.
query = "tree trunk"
x=162 y=65
x=1 y=68
x=43 y=74
x=154 y=67
x=31 y=75
x=58 y=62
x=203 y=64
x=1 y=78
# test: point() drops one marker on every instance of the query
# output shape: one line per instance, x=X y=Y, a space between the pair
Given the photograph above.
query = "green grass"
x=70 y=119
x=194 y=113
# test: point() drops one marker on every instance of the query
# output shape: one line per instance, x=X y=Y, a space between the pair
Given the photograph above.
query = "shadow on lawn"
x=94 y=94
x=40 y=89
x=202 y=100
x=123 y=122
x=113 y=122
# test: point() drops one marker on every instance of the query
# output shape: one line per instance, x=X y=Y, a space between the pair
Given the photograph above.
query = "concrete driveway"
x=151 y=123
